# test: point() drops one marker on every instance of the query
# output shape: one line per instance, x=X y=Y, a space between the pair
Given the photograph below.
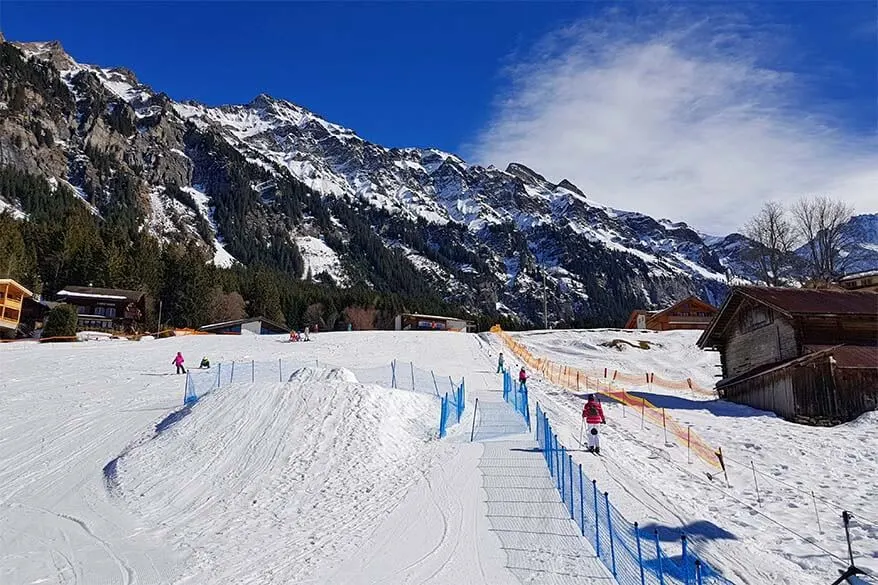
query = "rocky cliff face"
x=272 y=182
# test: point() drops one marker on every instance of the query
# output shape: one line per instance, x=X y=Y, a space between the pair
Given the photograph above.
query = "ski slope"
x=772 y=538
x=316 y=478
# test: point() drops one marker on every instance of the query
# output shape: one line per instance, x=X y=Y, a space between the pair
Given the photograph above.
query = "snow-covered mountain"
x=270 y=181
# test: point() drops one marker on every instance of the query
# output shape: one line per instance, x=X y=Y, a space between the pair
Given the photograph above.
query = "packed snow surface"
x=770 y=538
x=318 y=477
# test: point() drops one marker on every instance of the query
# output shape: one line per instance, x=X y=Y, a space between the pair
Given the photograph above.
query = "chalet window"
x=105 y=311
x=82 y=310
x=755 y=318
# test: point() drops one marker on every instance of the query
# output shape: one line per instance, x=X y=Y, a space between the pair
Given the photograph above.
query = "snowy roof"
x=213 y=326
x=87 y=292
x=436 y=317
x=856 y=275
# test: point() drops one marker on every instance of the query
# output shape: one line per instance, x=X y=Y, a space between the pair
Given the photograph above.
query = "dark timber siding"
x=758 y=343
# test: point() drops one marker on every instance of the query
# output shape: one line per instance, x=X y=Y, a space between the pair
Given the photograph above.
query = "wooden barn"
x=689 y=313
x=12 y=298
x=810 y=356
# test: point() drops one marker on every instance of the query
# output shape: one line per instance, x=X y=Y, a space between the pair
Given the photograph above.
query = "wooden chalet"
x=689 y=313
x=808 y=355
x=106 y=309
x=12 y=298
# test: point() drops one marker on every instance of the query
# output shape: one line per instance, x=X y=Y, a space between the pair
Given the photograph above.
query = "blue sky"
x=626 y=100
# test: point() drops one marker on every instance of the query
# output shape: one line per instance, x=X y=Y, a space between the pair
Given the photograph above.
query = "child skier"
x=205 y=363
x=522 y=380
x=500 y=363
x=178 y=361
x=306 y=336
x=594 y=416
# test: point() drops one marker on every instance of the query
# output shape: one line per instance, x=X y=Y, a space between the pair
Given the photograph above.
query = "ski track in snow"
x=319 y=479
x=651 y=481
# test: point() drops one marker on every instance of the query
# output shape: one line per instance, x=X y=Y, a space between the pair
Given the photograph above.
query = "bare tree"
x=774 y=241
x=823 y=224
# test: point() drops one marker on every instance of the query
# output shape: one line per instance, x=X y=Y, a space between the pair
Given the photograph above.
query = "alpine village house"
x=810 y=356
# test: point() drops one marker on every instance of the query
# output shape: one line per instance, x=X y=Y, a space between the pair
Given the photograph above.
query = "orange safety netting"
x=576 y=380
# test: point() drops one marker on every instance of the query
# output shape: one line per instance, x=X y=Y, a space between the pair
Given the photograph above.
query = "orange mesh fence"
x=577 y=380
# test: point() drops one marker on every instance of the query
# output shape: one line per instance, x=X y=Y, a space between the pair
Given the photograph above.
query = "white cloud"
x=676 y=118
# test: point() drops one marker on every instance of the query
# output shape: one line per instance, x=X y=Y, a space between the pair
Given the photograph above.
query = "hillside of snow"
x=791 y=532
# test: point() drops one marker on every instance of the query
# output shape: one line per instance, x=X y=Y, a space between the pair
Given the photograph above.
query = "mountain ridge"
x=266 y=181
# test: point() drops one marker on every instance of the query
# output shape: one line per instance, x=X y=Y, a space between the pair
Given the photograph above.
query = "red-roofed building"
x=689 y=313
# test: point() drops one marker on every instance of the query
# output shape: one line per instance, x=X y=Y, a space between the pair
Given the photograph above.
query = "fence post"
x=451 y=382
x=559 y=468
x=639 y=555
x=232 y=376
x=597 y=533
x=280 y=370
x=393 y=374
x=475 y=412
x=581 y=503
x=563 y=477
x=758 y=497
x=698 y=572
x=642 y=411
x=816 y=513
x=435 y=385
x=443 y=416
x=252 y=370
x=577 y=381
x=570 y=467
x=658 y=556
x=412 y=364
x=684 y=557
x=612 y=538
x=219 y=374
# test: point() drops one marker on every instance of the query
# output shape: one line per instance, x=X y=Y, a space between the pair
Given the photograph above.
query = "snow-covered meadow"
x=321 y=478
x=772 y=538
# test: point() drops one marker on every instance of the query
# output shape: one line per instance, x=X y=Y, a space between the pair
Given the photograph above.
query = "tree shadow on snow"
x=704 y=529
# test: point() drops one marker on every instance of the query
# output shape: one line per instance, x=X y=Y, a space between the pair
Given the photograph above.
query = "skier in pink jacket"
x=178 y=361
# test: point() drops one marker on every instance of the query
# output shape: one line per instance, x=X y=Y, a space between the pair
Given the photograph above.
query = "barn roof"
x=794 y=302
x=116 y=294
x=213 y=326
x=849 y=356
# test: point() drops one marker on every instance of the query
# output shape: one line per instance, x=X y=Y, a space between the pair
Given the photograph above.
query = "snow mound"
x=305 y=469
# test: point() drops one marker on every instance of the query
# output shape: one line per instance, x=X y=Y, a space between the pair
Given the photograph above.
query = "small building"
x=689 y=313
x=106 y=309
x=867 y=281
x=808 y=355
x=251 y=326
x=12 y=298
x=413 y=321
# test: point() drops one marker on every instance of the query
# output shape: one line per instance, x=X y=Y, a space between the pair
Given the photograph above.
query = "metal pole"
x=697 y=572
x=816 y=513
x=475 y=412
x=581 y=503
x=160 y=317
x=758 y=497
x=545 y=304
x=232 y=377
x=563 y=477
x=658 y=556
x=684 y=559
x=219 y=374
x=610 y=529
x=639 y=555
x=597 y=533
x=412 y=365
x=570 y=467
x=846 y=518
x=252 y=370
